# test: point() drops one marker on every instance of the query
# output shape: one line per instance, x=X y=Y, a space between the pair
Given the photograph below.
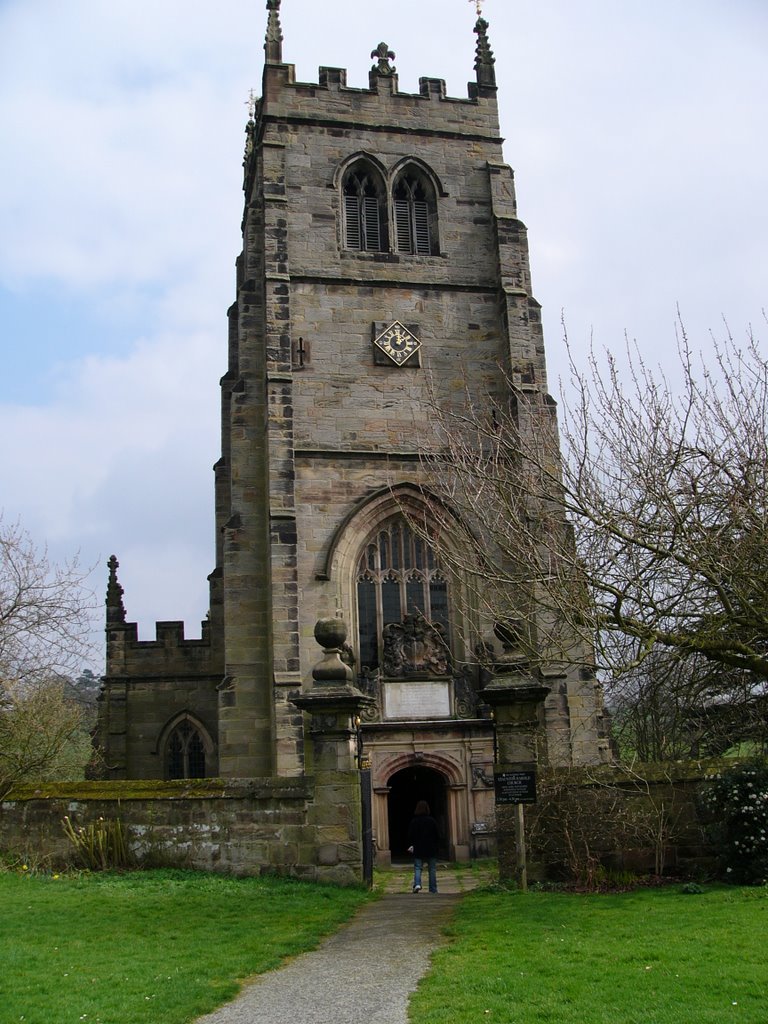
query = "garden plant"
x=736 y=803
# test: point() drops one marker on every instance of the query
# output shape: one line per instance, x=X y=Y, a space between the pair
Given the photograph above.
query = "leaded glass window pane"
x=390 y=600
x=175 y=757
x=185 y=753
x=398 y=574
x=195 y=757
x=366 y=611
x=438 y=603
x=414 y=590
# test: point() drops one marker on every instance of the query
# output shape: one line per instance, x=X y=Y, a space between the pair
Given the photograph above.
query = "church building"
x=382 y=252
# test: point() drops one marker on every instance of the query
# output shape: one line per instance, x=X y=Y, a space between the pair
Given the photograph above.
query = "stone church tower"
x=381 y=252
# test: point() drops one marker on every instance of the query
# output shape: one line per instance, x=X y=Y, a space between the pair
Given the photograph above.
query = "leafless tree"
x=641 y=526
x=673 y=707
x=45 y=619
x=45 y=611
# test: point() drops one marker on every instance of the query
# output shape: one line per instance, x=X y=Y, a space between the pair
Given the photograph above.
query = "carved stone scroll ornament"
x=368 y=683
x=465 y=698
x=415 y=647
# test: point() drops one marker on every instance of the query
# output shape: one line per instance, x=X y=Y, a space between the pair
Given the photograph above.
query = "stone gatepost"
x=517 y=697
x=334 y=704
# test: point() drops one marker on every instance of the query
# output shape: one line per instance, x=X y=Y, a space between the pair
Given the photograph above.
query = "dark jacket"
x=424 y=836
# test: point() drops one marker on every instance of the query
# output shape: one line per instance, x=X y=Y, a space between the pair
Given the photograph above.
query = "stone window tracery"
x=398 y=575
x=185 y=753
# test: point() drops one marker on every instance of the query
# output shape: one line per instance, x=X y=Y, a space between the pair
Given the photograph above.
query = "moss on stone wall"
x=159 y=789
x=641 y=774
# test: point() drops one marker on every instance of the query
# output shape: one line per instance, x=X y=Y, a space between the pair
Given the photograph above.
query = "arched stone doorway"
x=406 y=788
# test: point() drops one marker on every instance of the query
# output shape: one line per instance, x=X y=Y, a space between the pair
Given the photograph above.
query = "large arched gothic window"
x=185 y=752
x=364 y=209
x=398 y=574
x=415 y=213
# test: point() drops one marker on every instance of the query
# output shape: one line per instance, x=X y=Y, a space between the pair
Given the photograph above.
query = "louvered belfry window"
x=413 y=215
x=398 y=574
x=363 y=221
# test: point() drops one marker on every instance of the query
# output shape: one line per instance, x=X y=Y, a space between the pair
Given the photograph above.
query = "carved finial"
x=478 y=6
x=383 y=55
x=115 y=607
x=250 y=128
x=273 y=41
x=331 y=634
x=484 y=59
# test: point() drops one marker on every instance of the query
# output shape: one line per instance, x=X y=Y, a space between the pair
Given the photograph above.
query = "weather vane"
x=251 y=103
x=478 y=6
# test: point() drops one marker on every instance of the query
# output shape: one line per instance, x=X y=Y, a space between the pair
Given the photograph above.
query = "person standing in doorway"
x=424 y=837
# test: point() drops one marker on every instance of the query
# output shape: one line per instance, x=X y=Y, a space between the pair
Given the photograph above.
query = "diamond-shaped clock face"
x=397 y=342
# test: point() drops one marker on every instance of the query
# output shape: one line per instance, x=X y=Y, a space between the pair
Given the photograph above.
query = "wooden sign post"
x=517 y=787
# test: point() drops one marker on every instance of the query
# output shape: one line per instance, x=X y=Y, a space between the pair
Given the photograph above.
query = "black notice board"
x=515 y=787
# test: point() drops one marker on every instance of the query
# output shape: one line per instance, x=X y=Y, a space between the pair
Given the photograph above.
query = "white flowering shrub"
x=736 y=804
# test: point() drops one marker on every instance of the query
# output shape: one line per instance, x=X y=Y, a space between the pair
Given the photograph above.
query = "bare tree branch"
x=45 y=622
x=648 y=531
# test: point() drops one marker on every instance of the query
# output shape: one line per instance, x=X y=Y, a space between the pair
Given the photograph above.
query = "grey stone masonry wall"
x=643 y=819
x=241 y=827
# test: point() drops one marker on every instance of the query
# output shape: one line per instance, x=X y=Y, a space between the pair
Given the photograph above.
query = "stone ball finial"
x=331 y=633
x=509 y=632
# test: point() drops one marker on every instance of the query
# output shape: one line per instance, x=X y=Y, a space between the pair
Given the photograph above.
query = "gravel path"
x=364 y=972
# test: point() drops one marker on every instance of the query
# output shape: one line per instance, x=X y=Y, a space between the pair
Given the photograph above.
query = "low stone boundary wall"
x=242 y=826
x=643 y=819
x=591 y=820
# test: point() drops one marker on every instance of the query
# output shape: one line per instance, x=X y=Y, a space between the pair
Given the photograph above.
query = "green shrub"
x=736 y=806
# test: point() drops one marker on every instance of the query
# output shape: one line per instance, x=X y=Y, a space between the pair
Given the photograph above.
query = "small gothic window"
x=364 y=220
x=415 y=214
x=185 y=753
x=398 y=574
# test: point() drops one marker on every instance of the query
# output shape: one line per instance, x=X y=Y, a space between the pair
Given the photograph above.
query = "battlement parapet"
x=169 y=654
x=380 y=107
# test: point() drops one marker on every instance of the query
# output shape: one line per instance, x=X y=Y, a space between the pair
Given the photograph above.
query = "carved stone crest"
x=415 y=647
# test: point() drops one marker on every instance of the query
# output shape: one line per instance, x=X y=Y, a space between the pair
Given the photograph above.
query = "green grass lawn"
x=645 y=957
x=157 y=947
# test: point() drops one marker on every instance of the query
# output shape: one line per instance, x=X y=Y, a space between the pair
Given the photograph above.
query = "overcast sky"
x=637 y=132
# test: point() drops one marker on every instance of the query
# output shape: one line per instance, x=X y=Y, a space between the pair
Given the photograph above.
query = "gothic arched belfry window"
x=398 y=574
x=364 y=209
x=415 y=214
